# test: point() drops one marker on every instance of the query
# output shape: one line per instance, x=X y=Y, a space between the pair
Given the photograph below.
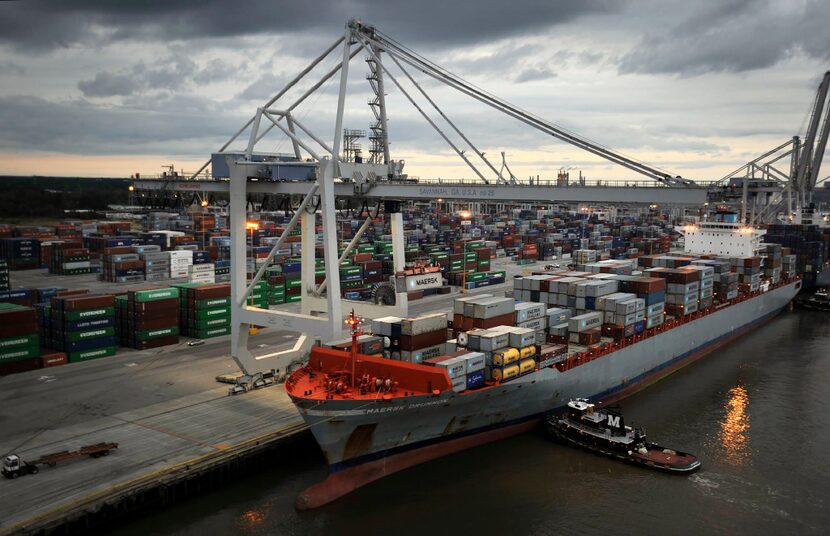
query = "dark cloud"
x=535 y=73
x=49 y=24
x=108 y=85
x=79 y=127
x=171 y=73
x=733 y=36
x=11 y=68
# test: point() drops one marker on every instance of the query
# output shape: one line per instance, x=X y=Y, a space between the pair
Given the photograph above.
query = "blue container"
x=639 y=326
x=81 y=325
x=292 y=267
x=475 y=379
x=91 y=344
x=590 y=302
x=14 y=295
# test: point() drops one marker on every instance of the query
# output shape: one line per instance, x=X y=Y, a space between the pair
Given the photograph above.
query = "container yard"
x=316 y=311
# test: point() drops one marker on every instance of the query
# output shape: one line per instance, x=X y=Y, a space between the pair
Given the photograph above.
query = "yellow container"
x=506 y=357
x=528 y=351
x=527 y=365
x=503 y=374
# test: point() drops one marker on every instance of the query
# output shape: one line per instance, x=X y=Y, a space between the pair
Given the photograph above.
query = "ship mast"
x=354 y=323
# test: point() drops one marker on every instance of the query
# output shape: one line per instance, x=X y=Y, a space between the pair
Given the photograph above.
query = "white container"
x=584 y=322
x=529 y=311
x=459 y=384
x=418 y=356
x=536 y=324
x=475 y=361
x=424 y=324
x=455 y=367
x=627 y=307
x=383 y=325
x=458 y=303
x=493 y=340
x=489 y=307
x=521 y=337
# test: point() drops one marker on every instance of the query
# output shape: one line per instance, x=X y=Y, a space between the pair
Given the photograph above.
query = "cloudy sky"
x=108 y=88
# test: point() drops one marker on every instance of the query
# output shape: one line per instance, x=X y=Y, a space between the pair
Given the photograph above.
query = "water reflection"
x=251 y=519
x=734 y=427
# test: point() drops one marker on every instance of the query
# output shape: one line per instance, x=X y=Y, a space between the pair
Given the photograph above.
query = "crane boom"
x=430 y=69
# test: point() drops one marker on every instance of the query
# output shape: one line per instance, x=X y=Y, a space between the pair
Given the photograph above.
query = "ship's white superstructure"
x=722 y=236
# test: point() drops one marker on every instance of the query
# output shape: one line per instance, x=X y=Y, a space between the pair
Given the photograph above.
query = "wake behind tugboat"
x=603 y=431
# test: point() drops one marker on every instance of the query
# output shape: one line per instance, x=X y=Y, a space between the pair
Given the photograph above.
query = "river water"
x=756 y=413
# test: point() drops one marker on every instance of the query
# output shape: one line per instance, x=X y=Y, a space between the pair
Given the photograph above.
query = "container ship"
x=601 y=332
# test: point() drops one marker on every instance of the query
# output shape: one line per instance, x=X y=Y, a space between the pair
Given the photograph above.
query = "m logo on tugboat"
x=614 y=420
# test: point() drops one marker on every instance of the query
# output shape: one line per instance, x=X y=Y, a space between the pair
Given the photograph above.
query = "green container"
x=366 y=248
x=471 y=257
x=89 y=313
x=276 y=300
x=75 y=336
x=352 y=284
x=210 y=323
x=86 y=355
x=157 y=294
x=7 y=343
x=260 y=285
x=149 y=334
x=476 y=276
x=213 y=303
x=292 y=299
x=293 y=283
x=20 y=353
x=202 y=314
x=208 y=333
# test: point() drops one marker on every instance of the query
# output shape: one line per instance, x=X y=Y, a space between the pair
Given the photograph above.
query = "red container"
x=425 y=340
x=53 y=360
x=19 y=366
x=91 y=301
x=487 y=323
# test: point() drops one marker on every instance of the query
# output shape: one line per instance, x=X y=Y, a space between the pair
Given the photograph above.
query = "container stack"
x=148 y=318
x=202 y=273
x=122 y=265
x=512 y=360
x=466 y=369
x=772 y=255
x=682 y=291
x=205 y=310
x=532 y=316
x=276 y=287
x=19 y=339
x=21 y=253
x=749 y=273
x=69 y=261
x=156 y=262
x=586 y=329
x=414 y=340
x=293 y=281
x=707 y=279
x=5 y=283
x=483 y=312
x=180 y=263
x=789 y=264
x=84 y=326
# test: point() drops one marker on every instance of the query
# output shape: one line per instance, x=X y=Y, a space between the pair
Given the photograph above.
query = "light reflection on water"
x=734 y=427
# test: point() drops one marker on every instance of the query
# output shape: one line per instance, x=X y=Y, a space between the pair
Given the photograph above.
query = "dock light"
x=466 y=214
x=131 y=188
x=204 y=202
x=251 y=225
x=689 y=228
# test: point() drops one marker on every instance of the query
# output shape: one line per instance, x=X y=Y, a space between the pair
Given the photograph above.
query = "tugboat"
x=603 y=431
x=819 y=301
